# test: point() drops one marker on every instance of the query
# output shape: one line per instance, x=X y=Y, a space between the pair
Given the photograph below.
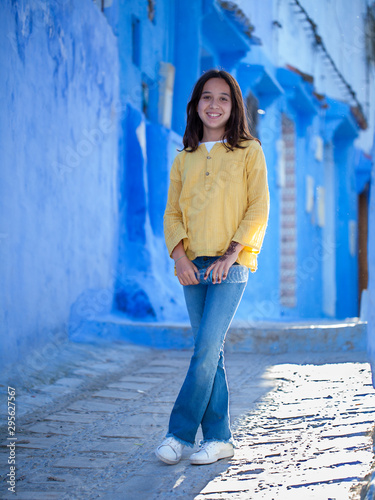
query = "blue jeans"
x=204 y=398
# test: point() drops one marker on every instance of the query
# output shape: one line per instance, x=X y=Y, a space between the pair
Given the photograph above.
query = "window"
x=151 y=10
x=103 y=4
x=145 y=98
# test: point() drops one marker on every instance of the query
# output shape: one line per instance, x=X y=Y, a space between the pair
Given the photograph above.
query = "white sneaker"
x=169 y=451
x=212 y=451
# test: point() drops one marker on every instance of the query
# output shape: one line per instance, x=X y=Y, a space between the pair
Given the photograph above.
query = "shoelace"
x=207 y=445
x=173 y=443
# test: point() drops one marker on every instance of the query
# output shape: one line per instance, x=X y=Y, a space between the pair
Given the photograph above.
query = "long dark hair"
x=236 y=129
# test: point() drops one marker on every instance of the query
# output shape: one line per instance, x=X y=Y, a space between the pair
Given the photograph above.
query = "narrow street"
x=87 y=427
x=140 y=139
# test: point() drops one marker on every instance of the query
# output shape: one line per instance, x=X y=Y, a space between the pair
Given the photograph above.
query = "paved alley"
x=87 y=427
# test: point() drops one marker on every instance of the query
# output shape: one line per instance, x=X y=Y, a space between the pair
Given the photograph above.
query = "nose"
x=214 y=103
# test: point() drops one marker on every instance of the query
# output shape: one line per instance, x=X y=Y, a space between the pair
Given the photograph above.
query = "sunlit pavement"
x=88 y=424
x=308 y=438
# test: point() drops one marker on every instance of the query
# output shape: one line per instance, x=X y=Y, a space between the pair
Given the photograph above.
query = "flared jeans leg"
x=203 y=398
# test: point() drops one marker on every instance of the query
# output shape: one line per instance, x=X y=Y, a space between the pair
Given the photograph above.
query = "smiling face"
x=214 y=108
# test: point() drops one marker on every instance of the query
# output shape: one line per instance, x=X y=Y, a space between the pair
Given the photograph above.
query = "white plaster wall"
x=340 y=24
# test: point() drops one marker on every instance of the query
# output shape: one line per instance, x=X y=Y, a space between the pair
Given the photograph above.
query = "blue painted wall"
x=58 y=177
x=144 y=175
x=347 y=259
x=371 y=285
x=87 y=157
x=147 y=147
x=309 y=232
x=146 y=150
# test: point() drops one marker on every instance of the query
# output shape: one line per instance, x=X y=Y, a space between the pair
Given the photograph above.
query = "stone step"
x=255 y=337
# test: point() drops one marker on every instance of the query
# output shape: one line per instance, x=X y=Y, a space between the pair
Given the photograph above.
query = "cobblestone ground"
x=88 y=423
x=308 y=438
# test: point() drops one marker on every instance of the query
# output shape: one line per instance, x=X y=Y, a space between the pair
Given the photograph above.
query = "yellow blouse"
x=218 y=197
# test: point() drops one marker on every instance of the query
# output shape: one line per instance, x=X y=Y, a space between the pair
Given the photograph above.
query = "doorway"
x=363 y=200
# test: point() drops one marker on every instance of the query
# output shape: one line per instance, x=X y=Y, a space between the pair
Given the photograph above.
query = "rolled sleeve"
x=252 y=228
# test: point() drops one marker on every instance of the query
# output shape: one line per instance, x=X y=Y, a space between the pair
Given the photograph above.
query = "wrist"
x=179 y=258
x=238 y=248
x=234 y=249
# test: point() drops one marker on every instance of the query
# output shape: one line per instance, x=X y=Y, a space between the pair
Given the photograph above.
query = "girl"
x=214 y=224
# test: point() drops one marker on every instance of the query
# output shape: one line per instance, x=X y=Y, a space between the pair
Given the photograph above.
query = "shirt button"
x=207 y=173
x=208 y=157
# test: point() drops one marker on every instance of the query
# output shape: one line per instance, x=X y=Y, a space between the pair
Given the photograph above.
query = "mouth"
x=214 y=115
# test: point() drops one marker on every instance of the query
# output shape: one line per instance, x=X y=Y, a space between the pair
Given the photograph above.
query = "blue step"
x=262 y=337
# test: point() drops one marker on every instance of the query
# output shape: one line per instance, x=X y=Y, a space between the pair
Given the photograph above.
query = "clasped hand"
x=187 y=271
x=220 y=268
